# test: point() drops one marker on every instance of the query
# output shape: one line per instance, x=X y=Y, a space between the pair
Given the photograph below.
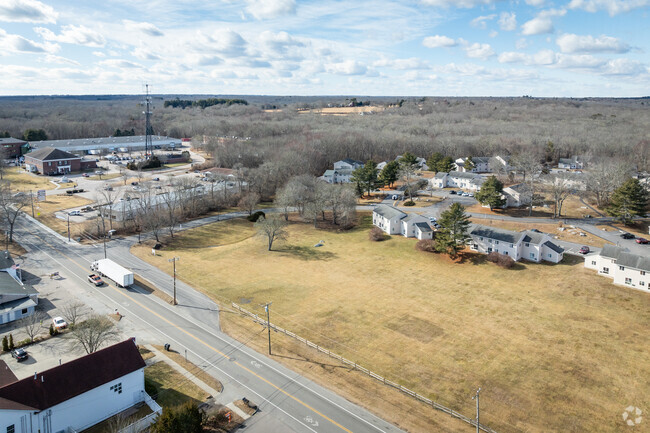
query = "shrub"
x=376 y=234
x=502 y=260
x=5 y=344
x=51 y=329
x=426 y=245
x=493 y=257
x=408 y=203
x=257 y=215
x=11 y=342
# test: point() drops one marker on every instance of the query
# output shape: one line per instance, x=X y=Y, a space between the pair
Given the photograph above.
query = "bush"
x=426 y=245
x=502 y=260
x=11 y=342
x=376 y=234
x=408 y=203
x=257 y=215
x=5 y=344
x=51 y=329
x=493 y=257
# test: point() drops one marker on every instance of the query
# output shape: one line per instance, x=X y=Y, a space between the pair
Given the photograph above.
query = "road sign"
x=40 y=195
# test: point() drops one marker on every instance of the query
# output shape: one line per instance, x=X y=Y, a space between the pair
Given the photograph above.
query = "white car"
x=465 y=194
x=74 y=213
x=59 y=323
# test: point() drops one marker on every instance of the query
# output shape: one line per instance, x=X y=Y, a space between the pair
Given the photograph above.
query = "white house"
x=17 y=300
x=381 y=165
x=439 y=180
x=76 y=395
x=481 y=164
x=468 y=181
x=626 y=269
x=347 y=164
x=516 y=195
x=528 y=245
x=572 y=163
x=342 y=175
x=395 y=222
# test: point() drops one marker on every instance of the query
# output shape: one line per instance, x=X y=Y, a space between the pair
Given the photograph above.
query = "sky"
x=543 y=48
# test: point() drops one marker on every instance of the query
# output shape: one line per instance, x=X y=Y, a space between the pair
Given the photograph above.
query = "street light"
x=174 y=260
x=476 y=397
x=268 y=322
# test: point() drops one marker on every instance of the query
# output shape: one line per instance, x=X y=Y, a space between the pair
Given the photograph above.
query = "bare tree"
x=528 y=163
x=249 y=201
x=604 y=177
x=72 y=312
x=273 y=228
x=560 y=188
x=4 y=153
x=33 y=324
x=124 y=174
x=172 y=205
x=106 y=201
x=92 y=333
x=10 y=207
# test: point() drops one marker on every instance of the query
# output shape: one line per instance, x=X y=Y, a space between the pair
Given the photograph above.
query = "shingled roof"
x=388 y=211
x=51 y=154
x=71 y=379
x=496 y=233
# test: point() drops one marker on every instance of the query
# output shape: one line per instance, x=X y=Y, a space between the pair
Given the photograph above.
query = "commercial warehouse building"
x=102 y=146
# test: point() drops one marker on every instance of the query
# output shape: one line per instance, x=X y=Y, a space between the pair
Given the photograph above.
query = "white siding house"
x=527 y=245
x=347 y=164
x=457 y=179
x=626 y=269
x=395 y=222
x=76 y=395
x=572 y=163
x=516 y=195
x=409 y=224
x=17 y=300
x=338 y=176
x=439 y=180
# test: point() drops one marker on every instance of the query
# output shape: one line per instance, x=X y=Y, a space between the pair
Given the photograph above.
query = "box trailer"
x=108 y=268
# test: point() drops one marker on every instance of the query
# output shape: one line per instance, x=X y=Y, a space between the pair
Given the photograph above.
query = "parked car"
x=156 y=179
x=96 y=280
x=452 y=192
x=86 y=209
x=584 y=250
x=627 y=236
x=432 y=219
x=134 y=183
x=19 y=354
x=469 y=194
x=99 y=172
x=641 y=241
x=85 y=175
x=108 y=188
x=464 y=194
x=74 y=213
x=59 y=323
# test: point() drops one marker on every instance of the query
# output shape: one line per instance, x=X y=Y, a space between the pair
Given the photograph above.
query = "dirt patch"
x=248 y=407
x=416 y=328
x=151 y=288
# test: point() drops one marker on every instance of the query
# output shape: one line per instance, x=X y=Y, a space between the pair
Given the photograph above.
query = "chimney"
x=35 y=376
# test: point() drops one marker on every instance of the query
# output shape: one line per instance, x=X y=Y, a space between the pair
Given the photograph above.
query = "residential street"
x=288 y=402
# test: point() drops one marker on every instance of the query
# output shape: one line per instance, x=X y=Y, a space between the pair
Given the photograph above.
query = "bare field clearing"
x=572 y=208
x=22 y=181
x=540 y=339
x=344 y=111
x=44 y=212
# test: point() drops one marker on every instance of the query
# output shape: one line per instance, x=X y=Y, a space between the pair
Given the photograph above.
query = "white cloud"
x=512 y=57
x=438 y=41
x=535 y=2
x=18 y=44
x=412 y=63
x=625 y=67
x=348 y=67
x=466 y=4
x=71 y=34
x=508 y=21
x=99 y=54
x=51 y=58
x=143 y=27
x=280 y=43
x=120 y=63
x=493 y=34
x=613 y=7
x=481 y=22
x=27 y=11
x=266 y=9
x=542 y=23
x=144 y=53
x=570 y=43
x=478 y=51
x=521 y=44
x=224 y=41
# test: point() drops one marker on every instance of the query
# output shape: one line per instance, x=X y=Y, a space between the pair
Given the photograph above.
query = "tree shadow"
x=305 y=253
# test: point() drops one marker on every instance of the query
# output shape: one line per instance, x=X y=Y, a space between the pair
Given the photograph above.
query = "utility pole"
x=476 y=397
x=268 y=322
x=174 y=260
x=31 y=198
x=148 y=144
x=69 y=229
x=105 y=244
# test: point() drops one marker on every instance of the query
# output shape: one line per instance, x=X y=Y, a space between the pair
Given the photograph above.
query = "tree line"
x=202 y=103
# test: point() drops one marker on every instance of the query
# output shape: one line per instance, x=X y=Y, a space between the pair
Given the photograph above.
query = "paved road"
x=288 y=402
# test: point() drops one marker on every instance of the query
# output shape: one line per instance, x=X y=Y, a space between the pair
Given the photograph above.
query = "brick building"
x=51 y=161
x=12 y=147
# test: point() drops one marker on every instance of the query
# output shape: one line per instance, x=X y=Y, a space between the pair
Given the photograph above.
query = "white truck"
x=108 y=268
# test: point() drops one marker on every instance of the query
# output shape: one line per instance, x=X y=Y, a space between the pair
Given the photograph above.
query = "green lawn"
x=173 y=388
x=554 y=347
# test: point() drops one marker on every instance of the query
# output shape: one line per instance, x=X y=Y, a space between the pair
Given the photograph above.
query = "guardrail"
x=365 y=371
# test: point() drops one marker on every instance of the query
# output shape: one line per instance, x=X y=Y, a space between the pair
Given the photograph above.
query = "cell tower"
x=148 y=143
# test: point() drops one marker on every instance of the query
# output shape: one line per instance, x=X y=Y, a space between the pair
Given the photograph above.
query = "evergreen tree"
x=34 y=135
x=370 y=179
x=628 y=201
x=5 y=344
x=453 y=233
x=186 y=418
x=434 y=160
x=390 y=173
x=446 y=164
x=469 y=164
x=408 y=166
x=11 y=342
x=491 y=193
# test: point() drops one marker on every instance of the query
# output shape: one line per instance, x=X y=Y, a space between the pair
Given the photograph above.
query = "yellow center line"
x=121 y=292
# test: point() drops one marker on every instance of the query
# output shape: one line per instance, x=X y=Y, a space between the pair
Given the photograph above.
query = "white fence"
x=145 y=422
x=357 y=367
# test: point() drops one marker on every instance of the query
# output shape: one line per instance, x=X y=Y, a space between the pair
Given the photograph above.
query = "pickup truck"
x=95 y=279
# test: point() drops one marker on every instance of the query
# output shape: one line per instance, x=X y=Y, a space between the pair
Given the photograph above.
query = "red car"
x=641 y=241
x=584 y=250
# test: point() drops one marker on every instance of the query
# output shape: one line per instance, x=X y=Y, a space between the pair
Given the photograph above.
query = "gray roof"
x=440 y=175
x=611 y=251
x=463 y=175
x=480 y=159
x=532 y=237
x=424 y=227
x=9 y=286
x=635 y=261
x=554 y=247
x=5 y=260
x=11 y=140
x=329 y=173
x=99 y=142
x=520 y=187
x=411 y=216
x=388 y=211
x=351 y=161
x=566 y=161
x=496 y=233
x=50 y=154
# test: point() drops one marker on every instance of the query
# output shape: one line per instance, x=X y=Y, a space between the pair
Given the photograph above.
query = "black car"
x=627 y=236
x=19 y=354
x=452 y=192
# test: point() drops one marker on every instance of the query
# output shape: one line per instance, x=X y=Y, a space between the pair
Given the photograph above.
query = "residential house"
x=52 y=161
x=516 y=195
x=625 y=268
x=381 y=165
x=338 y=176
x=12 y=147
x=573 y=163
x=347 y=164
x=527 y=245
x=78 y=394
x=481 y=164
x=468 y=181
x=395 y=222
x=439 y=180
x=17 y=300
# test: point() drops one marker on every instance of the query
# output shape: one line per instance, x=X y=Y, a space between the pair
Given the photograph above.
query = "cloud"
x=51 y=58
x=224 y=41
x=412 y=63
x=279 y=43
x=536 y=3
x=99 y=54
x=508 y=21
x=120 y=64
x=349 y=67
x=144 y=53
x=512 y=57
x=146 y=28
x=27 y=11
x=18 y=44
x=478 y=51
x=542 y=23
x=613 y=7
x=267 y=9
x=472 y=70
x=438 y=41
x=465 y=4
x=570 y=43
x=481 y=22
x=625 y=67
x=71 y=34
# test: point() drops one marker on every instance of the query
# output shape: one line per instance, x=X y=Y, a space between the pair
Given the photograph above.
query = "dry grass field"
x=572 y=208
x=345 y=111
x=554 y=347
x=23 y=181
x=44 y=211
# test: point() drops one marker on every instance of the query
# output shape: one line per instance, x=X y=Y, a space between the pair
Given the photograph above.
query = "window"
x=628 y=280
x=549 y=254
x=642 y=272
x=505 y=252
x=481 y=238
x=605 y=270
x=532 y=256
x=496 y=242
x=475 y=247
x=117 y=388
x=11 y=428
x=641 y=283
x=527 y=244
x=23 y=311
x=490 y=240
x=621 y=268
x=512 y=245
x=489 y=249
x=593 y=263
